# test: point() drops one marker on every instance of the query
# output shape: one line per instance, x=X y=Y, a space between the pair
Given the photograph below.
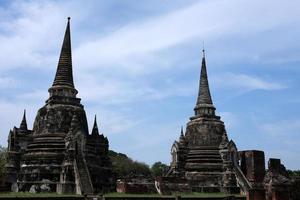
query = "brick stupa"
x=59 y=154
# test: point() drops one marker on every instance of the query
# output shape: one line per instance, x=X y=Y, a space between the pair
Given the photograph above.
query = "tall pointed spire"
x=204 y=103
x=64 y=75
x=181 y=132
x=63 y=90
x=182 y=138
x=95 y=130
x=23 y=125
x=204 y=96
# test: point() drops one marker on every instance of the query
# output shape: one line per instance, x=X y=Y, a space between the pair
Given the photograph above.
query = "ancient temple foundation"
x=59 y=154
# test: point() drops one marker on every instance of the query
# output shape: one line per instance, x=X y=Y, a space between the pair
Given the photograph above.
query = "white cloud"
x=230 y=119
x=33 y=34
x=206 y=20
x=8 y=82
x=11 y=115
x=112 y=122
x=121 y=91
x=284 y=128
x=34 y=96
x=245 y=83
x=282 y=140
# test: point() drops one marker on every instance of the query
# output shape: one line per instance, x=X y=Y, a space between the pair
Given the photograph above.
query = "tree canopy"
x=2 y=162
x=125 y=167
x=293 y=173
x=159 y=169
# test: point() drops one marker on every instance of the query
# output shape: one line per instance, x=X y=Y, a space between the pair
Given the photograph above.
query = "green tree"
x=159 y=169
x=140 y=169
x=125 y=167
x=293 y=173
x=2 y=162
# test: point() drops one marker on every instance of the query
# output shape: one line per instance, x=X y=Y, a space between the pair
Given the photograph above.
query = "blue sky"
x=136 y=65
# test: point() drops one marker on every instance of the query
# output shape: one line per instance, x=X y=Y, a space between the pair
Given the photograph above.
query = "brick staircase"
x=84 y=175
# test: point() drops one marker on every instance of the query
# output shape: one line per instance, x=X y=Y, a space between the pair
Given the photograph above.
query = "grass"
x=192 y=194
x=28 y=194
x=199 y=194
x=114 y=194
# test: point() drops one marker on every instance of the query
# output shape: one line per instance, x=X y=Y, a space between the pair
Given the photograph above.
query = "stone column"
x=253 y=167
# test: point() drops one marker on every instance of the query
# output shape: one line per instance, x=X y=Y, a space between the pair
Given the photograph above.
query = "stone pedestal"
x=66 y=188
x=256 y=194
x=280 y=195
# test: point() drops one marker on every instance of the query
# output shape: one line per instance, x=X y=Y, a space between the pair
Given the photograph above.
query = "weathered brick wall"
x=253 y=165
x=135 y=188
x=277 y=184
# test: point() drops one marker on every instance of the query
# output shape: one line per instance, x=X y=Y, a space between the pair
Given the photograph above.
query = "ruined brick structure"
x=276 y=182
x=271 y=184
x=135 y=186
x=204 y=160
x=59 y=154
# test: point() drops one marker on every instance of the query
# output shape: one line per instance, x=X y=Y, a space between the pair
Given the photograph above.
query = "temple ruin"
x=202 y=157
x=58 y=154
x=205 y=160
